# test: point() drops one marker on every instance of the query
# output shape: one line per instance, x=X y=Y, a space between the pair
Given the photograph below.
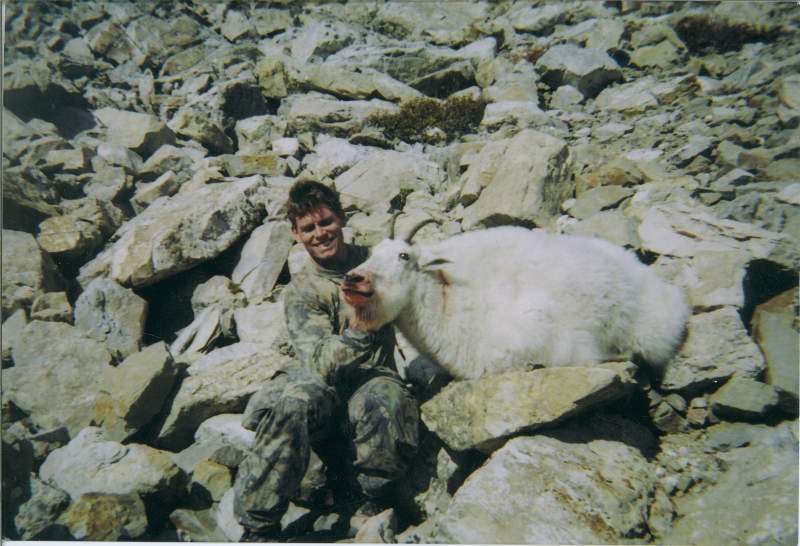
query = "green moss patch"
x=418 y=119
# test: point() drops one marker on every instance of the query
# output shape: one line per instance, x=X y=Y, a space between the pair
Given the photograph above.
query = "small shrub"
x=454 y=116
x=702 y=34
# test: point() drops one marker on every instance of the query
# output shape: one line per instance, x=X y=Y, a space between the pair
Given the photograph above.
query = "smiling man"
x=344 y=399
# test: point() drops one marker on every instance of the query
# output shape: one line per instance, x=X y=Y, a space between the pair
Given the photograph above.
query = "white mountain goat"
x=487 y=301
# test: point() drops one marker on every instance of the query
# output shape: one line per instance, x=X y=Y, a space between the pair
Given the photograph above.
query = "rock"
x=201 y=335
x=379 y=529
x=519 y=187
x=265 y=163
x=341 y=81
x=776 y=333
x=112 y=314
x=195 y=122
x=92 y=464
x=482 y=413
x=41 y=511
x=68 y=371
x=225 y=428
x=566 y=98
x=636 y=97
x=76 y=236
x=286 y=147
x=226 y=520
x=220 y=292
x=222 y=389
x=170 y=158
x=320 y=113
x=26 y=270
x=373 y=182
x=12 y=329
x=52 y=306
x=520 y=113
x=683 y=230
x=438 y=24
x=542 y=19
x=28 y=198
x=142 y=133
x=102 y=517
x=109 y=183
x=173 y=234
x=539 y=490
x=255 y=133
x=197 y=525
x=743 y=399
x=711 y=279
x=598 y=199
x=600 y=33
x=587 y=69
x=611 y=225
x=717 y=347
x=71 y=161
x=661 y=55
x=135 y=391
x=212 y=479
x=262 y=259
x=264 y=324
x=713 y=513
x=165 y=185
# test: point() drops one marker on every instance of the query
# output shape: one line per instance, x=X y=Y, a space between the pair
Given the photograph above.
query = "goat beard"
x=365 y=317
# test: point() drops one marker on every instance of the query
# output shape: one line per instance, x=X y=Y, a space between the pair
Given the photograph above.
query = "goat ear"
x=430 y=260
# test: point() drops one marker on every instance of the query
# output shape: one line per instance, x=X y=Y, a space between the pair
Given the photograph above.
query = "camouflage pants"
x=295 y=410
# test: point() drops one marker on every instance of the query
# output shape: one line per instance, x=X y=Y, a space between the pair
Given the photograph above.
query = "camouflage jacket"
x=318 y=326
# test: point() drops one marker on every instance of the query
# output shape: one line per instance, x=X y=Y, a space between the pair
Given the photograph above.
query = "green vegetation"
x=418 y=119
x=703 y=34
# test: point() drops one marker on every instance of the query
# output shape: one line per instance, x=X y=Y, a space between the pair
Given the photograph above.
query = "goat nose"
x=353 y=278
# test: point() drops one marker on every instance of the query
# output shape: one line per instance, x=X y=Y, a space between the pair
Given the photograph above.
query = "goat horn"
x=393 y=224
x=419 y=226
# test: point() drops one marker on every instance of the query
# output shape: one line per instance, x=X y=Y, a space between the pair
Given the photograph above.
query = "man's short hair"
x=307 y=195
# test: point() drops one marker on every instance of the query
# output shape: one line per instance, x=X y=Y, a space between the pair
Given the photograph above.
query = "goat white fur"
x=488 y=301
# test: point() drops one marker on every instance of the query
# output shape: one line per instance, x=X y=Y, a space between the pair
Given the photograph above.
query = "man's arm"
x=316 y=344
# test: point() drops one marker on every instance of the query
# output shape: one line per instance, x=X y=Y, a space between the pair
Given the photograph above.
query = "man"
x=344 y=375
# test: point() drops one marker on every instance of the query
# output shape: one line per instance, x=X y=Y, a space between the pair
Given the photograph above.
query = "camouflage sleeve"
x=316 y=343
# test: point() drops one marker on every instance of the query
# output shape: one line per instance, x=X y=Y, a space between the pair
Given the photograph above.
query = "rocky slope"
x=147 y=151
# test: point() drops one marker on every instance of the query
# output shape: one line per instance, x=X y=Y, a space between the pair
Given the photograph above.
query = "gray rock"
x=715 y=512
x=482 y=413
x=321 y=113
x=611 y=225
x=226 y=520
x=539 y=490
x=211 y=480
x=92 y=464
x=197 y=525
x=566 y=98
x=105 y=517
x=165 y=185
x=341 y=81
x=373 y=182
x=226 y=429
x=112 y=314
x=587 y=69
x=255 y=133
x=600 y=33
x=41 y=510
x=201 y=335
x=379 y=529
x=716 y=348
x=219 y=291
x=440 y=24
x=776 y=333
x=28 y=198
x=170 y=158
x=78 y=234
x=519 y=187
x=537 y=19
x=743 y=399
x=52 y=306
x=264 y=324
x=173 y=234
x=520 y=113
x=224 y=388
x=135 y=391
x=598 y=199
x=142 y=133
x=262 y=259
x=264 y=163
x=12 y=329
x=27 y=271
x=661 y=55
x=68 y=371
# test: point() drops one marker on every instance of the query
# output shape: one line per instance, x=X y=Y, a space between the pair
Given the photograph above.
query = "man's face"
x=320 y=232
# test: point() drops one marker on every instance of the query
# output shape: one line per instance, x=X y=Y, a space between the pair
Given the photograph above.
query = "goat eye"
x=403 y=256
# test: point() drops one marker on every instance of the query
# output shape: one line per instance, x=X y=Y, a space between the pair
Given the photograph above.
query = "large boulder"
x=224 y=388
x=173 y=234
x=523 y=180
x=92 y=464
x=135 y=391
x=373 y=182
x=104 y=517
x=587 y=69
x=775 y=330
x=56 y=377
x=142 y=133
x=717 y=346
x=262 y=260
x=113 y=314
x=540 y=490
x=482 y=413
x=27 y=271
